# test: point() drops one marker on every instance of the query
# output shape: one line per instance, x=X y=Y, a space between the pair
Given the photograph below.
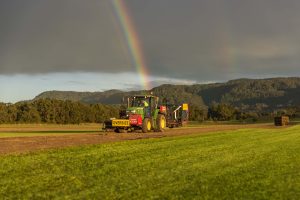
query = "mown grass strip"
x=43 y=133
x=243 y=164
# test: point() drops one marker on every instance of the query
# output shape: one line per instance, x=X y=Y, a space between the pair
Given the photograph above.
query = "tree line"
x=56 y=112
x=71 y=112
x=227 y=112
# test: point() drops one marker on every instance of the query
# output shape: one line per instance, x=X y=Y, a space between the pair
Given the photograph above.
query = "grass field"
x=42 y=133
x=243 y=164
x=28 y=130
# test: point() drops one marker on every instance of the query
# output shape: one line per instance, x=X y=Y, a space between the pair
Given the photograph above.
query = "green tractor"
x=142 y=113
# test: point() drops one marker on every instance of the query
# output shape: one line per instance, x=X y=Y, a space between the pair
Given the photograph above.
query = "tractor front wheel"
x=160 y=122
x=146 y=127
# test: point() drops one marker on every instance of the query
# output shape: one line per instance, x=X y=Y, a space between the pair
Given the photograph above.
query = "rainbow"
x=133 y=41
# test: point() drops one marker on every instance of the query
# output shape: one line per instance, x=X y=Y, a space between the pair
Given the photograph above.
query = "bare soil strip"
x=28 y=144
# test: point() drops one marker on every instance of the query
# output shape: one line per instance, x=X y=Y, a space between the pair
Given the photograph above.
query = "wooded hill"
x=243 y=100
x=267 y=94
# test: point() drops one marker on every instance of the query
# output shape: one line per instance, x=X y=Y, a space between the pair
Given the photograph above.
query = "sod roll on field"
x=243 y=164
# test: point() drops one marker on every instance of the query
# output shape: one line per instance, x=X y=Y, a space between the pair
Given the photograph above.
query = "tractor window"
x=139 y=102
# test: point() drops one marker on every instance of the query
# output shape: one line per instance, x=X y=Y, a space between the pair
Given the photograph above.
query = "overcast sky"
x=196 y=40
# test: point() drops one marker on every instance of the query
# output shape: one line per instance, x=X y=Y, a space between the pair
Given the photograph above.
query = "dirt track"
x=27 y=144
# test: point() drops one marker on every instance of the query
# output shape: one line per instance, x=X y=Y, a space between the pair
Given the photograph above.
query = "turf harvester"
x=143 y=113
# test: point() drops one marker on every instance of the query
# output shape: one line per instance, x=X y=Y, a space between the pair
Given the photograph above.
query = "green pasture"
x=42 y=133
x=27 y=130
x=293 y=121
x=242 y=164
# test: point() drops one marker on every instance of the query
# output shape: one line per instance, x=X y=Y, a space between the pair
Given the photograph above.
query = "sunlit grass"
x=243 y=164
x=43 y=133
x=60 y=126
x=26 y=130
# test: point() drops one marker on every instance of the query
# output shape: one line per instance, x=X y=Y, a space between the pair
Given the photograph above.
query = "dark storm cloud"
x=220 y=39
x=196 y=39
x=39 y=36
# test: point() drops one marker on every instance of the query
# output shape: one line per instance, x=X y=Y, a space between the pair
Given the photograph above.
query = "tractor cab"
x=144 y=105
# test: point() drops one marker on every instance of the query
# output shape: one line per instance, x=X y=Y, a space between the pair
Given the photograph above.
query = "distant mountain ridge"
x=106 y=97
x=271 y=93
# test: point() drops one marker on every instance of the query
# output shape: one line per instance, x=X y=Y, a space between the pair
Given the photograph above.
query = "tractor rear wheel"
x=146 y=126
x=160 y=122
